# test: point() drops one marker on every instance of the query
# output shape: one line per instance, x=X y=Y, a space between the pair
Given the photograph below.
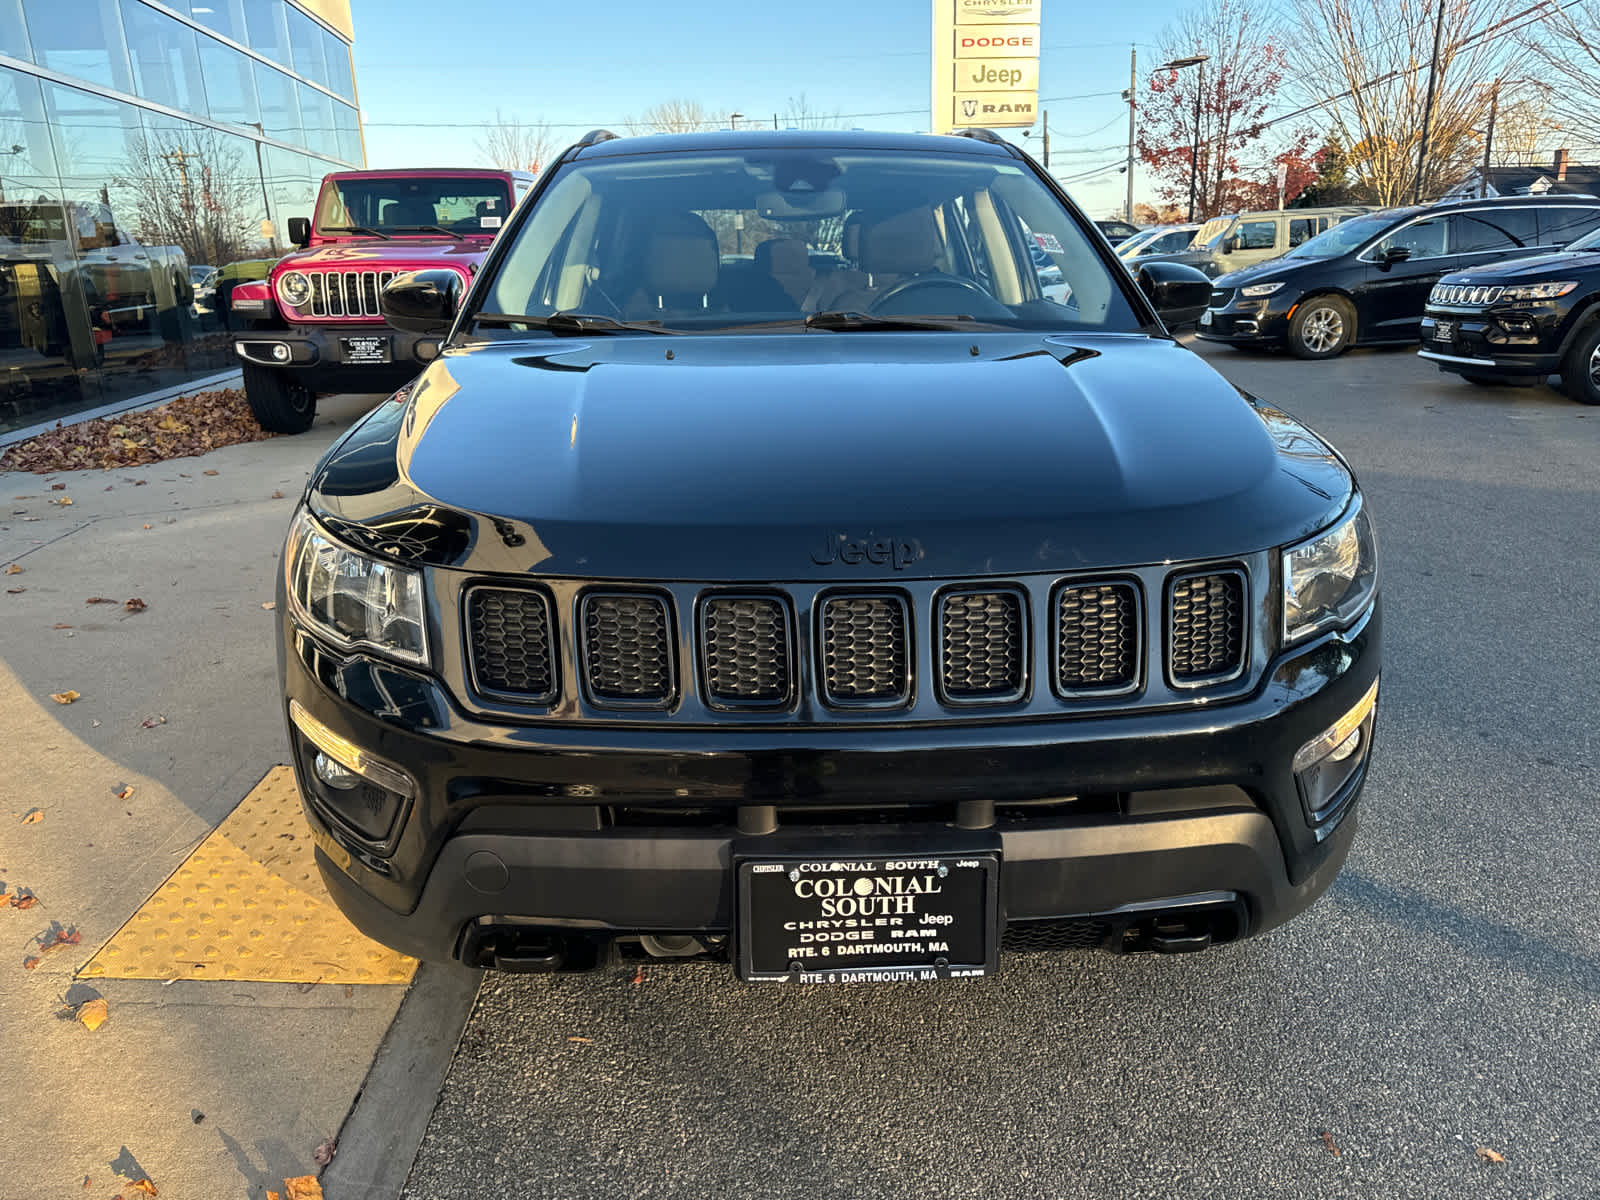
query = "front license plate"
x=862 y=920
x=1444 y=331
x=374 y=349
x=1205 y=317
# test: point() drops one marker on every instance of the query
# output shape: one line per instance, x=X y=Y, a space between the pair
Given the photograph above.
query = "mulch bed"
x=186 y=426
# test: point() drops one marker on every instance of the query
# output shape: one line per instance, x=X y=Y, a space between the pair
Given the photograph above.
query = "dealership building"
x=140 y=144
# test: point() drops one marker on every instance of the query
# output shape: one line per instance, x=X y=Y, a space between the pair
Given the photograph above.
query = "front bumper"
x=1248 y=322
x=607 y=831
x=1511 y=341
x=340 y=357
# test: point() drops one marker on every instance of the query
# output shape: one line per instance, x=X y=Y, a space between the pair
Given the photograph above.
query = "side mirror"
x=1232 y=244
x=1178 y=293
x=1395 y=254
x=422 y=301
x=300 y=231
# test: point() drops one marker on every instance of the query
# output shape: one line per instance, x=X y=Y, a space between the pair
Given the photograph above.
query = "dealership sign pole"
x=985 y=64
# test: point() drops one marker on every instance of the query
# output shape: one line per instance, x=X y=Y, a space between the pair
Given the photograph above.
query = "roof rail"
x=982 y=135
x=595 y=136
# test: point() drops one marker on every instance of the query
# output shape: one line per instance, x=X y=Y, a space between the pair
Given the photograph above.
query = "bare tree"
x=517 y=145
x=1373 y=57
x=674 y=116
x=1567 y=50
x=800 y=115
x=192 y=187
x=1523 y=130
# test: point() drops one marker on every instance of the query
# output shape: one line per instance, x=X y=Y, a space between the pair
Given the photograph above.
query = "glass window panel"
x=13 y=33
x=1493 y=229
x=268 y=32
x=1257 y=235
x=165 y=59
x=341 y=77
x=280 y=106
x=292 y=182
x=230 y=83
x=349 y=134
x=316 y=110
x=1559 y=226
x=305 y=43
x=224 y=16
x=83 y=40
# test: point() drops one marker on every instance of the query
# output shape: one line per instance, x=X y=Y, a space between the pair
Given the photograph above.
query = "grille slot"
x=982 y=652
x=510 y=639
x=1220 y=297
x=1060 y=933
x=627 y=648
x=346 y=293
x=1097 y=637
x=865 y=650
x=1205 y=625
x=746 y=650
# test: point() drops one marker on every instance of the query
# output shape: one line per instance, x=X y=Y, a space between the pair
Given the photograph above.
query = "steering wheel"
x=923 y=282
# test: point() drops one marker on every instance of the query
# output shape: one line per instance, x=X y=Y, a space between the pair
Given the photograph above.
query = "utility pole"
x=1427 y=110
x=1194 y=163
x=1133 y=104
x=1488 y=140
x=1046 y=116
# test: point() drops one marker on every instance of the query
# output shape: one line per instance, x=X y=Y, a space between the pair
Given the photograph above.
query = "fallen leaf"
x=64 y=502
x=15 y=591
x=140 y=482
x=1490 y=1156
x=99 y=600
x=581 y=1040
x=638 y=976
x=195 y=1114
x=323 y=1154
x=24 y=902
x=87 y=1183
x=134 y=605
x=302 y=1187
x=123 y=790
x=145 y=1186
x=1327 y=1140
x=209 y=471
x=195 y=424
x=271 y=1195
x=58 y=626
x=93 y=1014
x=147 y=526
x=30 y=962
x=270 y=605
x=33 y=816
x=152 y=722
x=58 y=487
x=63 y=697
x=276 y=494
x=13 y=569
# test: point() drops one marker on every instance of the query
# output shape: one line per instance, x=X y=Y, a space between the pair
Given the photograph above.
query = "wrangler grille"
x=745 y=650
x=509 y=635
x=346 y=293
x=865 y=650
x=982 y=653
x=1205 y=624
x=627 y=648
x=1097 y=636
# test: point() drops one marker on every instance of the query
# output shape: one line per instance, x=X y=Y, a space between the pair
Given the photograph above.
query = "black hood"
x=752 y=457
x=1272 y=269
x=1533 y=269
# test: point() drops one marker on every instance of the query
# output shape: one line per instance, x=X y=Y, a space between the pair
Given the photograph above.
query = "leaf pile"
x=185 y=426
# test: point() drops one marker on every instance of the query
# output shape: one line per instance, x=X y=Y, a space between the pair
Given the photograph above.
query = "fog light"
x=1325 y=764
x=347 y=754
x=280 y=352
x=334 y=774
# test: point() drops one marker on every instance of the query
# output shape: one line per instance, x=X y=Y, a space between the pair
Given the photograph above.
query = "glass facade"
x=149 y=162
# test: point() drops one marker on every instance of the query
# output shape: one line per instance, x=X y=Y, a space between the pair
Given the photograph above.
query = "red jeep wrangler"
x=314 y=326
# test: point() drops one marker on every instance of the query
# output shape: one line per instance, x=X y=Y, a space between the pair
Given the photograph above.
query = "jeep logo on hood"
x=839 y=547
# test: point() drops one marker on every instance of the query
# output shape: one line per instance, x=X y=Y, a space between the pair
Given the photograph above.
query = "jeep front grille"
x=1205 y=627
x=982 y=648
x=745 y=650
x=865 y=650
x=346 y=293
x=627 y=647
x=510 y=640
x=1464 y=294
x=1097 y=637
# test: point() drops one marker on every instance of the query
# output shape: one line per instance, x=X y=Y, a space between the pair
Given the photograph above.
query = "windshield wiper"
x=573 y=322
x=845 y=322
x=356 y=229
x=460 y=237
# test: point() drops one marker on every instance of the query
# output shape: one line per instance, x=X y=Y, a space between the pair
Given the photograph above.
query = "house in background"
x=1561 y=177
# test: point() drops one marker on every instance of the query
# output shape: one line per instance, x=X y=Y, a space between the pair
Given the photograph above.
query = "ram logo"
x=969 y=109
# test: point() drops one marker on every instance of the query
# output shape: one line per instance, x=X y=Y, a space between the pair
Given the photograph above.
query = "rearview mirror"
x=800 y=205
x=300 y=231
x=423 y=302
x=1178 y=293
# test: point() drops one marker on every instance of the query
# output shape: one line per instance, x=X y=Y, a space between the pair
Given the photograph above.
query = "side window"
x=1425 y=239
x=1257 y=235
x=1492 y=229
x=1178 y=240
x=1559 y=226
x=1301 y=229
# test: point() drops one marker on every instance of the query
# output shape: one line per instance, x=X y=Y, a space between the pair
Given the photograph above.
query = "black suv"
x=1367 y=279
x=1521 y=321
x=845 y=609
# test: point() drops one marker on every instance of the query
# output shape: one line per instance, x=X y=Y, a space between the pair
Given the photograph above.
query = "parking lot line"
x=249 y=905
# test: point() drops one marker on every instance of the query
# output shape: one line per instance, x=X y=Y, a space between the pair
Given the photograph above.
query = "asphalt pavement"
x=1444 y=997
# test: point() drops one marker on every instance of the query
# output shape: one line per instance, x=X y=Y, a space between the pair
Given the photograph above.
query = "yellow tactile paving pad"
x=249 y=905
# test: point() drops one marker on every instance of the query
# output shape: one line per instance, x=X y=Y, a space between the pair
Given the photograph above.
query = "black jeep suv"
x=1521 y=321
x=767 y=569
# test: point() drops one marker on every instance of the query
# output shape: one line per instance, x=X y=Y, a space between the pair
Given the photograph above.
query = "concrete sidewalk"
x=209 y=1089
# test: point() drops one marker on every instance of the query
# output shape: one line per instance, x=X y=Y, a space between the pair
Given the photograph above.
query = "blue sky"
x=428 y=72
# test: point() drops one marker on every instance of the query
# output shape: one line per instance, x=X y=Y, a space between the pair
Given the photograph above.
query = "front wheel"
x=1322 y=327
x=1580 y=373
x=281 y=403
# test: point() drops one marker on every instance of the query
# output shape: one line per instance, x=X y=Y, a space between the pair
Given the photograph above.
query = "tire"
x=1323 y=327
x=1580 y=372
x=281 y=403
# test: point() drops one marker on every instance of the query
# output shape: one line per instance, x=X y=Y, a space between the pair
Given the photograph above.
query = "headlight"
x=353 y=599
x=1330 y=579
x=294 y=289
x=1260 y=289
x=1539 y=291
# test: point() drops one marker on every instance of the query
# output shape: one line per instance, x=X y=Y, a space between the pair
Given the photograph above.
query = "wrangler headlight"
x=294 y=289
x=353 y=599
x=1260 y=289
x=1539 y=291
x=1331 y=579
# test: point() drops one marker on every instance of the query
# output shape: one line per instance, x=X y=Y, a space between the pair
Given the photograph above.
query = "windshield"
x=1343 y=237
x=702 y=241
x=466 y=205
x=1589 y=241
x=1210 y=235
